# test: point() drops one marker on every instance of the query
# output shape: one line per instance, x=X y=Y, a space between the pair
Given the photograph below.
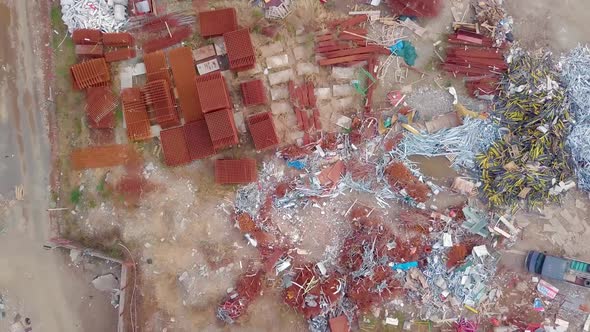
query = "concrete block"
x=280 y=77
x=302 y=52
x=307 y=68
x=271 y=49
x=279 y=108
x=343 y=90
x=279 y=93
x=277 y=61
x=323 y=93
x=344 y=73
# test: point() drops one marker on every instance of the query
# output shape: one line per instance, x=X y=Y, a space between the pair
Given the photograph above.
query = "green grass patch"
x=76 y=196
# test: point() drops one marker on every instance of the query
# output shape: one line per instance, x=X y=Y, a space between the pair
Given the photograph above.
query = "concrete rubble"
x=94 y=14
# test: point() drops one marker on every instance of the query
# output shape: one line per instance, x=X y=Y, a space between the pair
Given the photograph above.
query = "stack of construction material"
x=91 y=73
x=160 y=32
x=100 y=106
x=183 y=68
x=263 y=131
x=303 y=99
x=113 y=46
x=158 y=98
x=135 y=114
x=473 y=55
x=174 y=146
x=345 y=44
x=253 y=93
x=240 y=50
x=218 y=22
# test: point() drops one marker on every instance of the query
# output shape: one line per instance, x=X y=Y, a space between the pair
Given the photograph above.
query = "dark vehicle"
x=558 y=268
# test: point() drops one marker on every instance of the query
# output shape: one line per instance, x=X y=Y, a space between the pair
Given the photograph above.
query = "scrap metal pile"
x=493 y=20
x=530 y=163
x=106 y=16
x=576 y=75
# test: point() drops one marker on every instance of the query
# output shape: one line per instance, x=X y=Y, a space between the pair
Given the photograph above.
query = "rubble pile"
x=107 y=16
x=576 y=76
x=530 y=163
x=494 y=21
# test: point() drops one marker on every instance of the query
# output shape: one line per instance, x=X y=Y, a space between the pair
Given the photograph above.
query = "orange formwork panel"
x=89 y=73
x=198 y=140
x=100 y=102
x=101 y=156
x=213 y=94
x=240 y=50
x=263 y=131
x=135 y=113
x=217 y=22
x=157 y=96
x=183 y=69
x=235 y=171
x=222 y=128
x=118 y=39
x=174 y=146
x=253 y=93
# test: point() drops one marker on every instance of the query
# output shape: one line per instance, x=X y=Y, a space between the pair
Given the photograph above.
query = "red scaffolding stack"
x=239 y=50
x=135 y=113
x=253 y=93
x=222 y=128
x=91 y=73
x=263 y=131
x=217 y=22
x=235 y=171
x=212 y=91
x=157 y=96
x=183 y=69
x=174 y=146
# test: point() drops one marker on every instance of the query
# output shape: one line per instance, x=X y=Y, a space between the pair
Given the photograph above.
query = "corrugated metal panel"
x=183 y=69
x=217 y=22
x=253 y=93
x=213 y=94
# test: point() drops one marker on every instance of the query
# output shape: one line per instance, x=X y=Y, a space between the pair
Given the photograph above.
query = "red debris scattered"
x=331 y=175
x=174 y=147
x=248 y=288
x=240 y=50
x=135 y=113
x=118 y=39
x=100 y=105
x=263 y=131
x=93 y=51
x=120 y=54
x=198 y=141
x=157 y=96
x=400 y=177
x=339 y=324
x=217 y=22
x=456 y=255
x=253 y=93
x=213 y=93
x=183 y=68
x=235 y=171
x=87 y=36
x=418 y=8
x=91 y=73
x=222 y=128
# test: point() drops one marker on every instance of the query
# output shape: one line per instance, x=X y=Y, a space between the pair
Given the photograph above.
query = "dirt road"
x=34 y=283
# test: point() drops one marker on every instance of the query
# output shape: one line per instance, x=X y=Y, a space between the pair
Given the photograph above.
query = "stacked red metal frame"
x=87 y=36
x=212 y=91
x=263 y=131
x=240 y=50
x=101 y=156
x=100 y=106
x=235 y=171
x=136 y=115
x=346 y=46
x=156 y=67
x=217 y=22
x=174 y=146
x=118 y=39
x=185 y=75
x=157 y=96
x=89 y=73
x=198 y=141
x=93 y=51
x=120 y=54
x=253 y=93
x=222 y=128
x=303 y=98
x=472 y=55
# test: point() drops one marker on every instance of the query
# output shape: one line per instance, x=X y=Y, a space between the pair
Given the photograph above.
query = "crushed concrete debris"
x=93 y=14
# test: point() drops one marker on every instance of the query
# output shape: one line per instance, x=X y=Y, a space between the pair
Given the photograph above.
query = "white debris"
x=106 y=283
x=481 y=251
x=93 y=14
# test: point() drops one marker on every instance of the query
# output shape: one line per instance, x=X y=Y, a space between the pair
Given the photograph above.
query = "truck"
x=570 y=270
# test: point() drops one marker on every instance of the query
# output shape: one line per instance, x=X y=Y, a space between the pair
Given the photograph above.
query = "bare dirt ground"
x=187 y=249
x=34 y=283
